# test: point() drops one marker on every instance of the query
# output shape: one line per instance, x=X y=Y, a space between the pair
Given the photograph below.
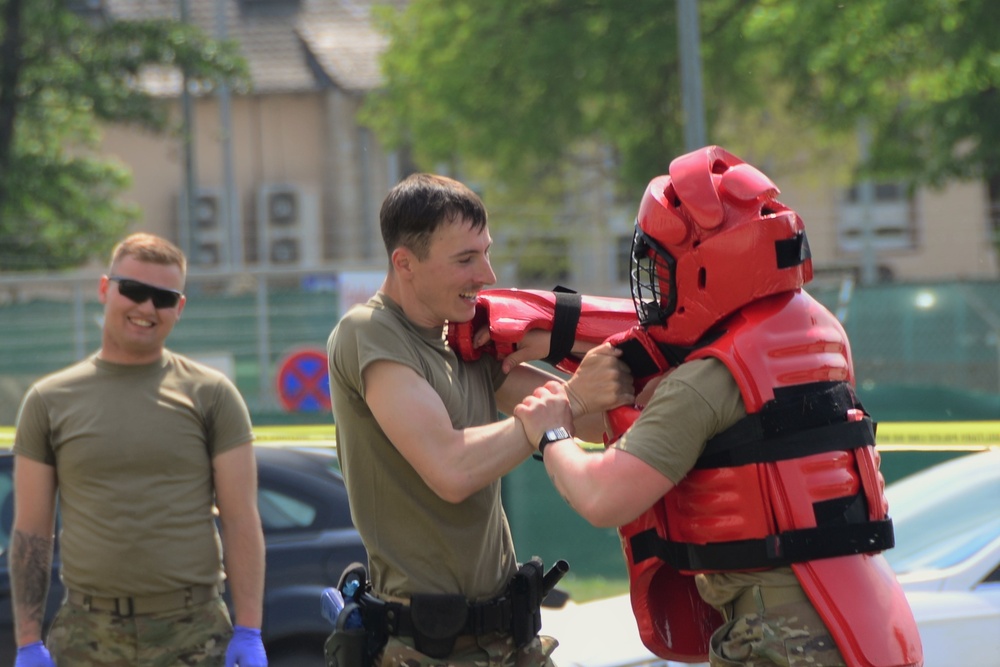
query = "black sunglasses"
x=140 y=292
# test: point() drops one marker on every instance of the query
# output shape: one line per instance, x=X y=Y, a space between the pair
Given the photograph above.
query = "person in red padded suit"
x=746 y=489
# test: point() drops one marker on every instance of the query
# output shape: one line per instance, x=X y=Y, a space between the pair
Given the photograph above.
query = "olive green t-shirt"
x=416 y=541
x=132 y=447
x=695 y=402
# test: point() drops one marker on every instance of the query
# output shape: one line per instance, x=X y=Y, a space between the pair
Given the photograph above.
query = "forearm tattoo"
x=30 y=568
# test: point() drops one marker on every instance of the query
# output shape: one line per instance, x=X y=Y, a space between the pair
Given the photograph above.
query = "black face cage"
x=652 y=266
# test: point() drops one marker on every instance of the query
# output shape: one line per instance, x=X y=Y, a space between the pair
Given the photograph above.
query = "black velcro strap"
x=794 y=546
x=830 y=438
x=792 y=252
x=641 y=364
x=637 y=358
x=564 y=320
x=800 y=420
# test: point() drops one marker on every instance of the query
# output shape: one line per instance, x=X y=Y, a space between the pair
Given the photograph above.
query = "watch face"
x=556 y=434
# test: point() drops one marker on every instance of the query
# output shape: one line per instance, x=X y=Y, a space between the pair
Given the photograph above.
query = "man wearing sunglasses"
x=140 y=444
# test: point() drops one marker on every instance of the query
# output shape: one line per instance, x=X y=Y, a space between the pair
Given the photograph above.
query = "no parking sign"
x=304 y=381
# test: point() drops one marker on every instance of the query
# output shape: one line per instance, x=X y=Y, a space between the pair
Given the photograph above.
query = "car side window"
x=280 y=511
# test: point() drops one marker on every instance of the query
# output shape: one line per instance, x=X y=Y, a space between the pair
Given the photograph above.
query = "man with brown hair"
x=140 y=444
x=422 y=447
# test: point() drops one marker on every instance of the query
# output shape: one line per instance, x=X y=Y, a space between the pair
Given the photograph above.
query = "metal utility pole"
x=866 y=199
x=233 y=224
x=689 y=42
x=188 y=214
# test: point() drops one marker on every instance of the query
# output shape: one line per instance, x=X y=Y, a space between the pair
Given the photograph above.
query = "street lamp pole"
x=689 y=44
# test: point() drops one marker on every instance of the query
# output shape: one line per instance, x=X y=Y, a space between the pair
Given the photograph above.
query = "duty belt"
x=144 y=604
x=483 y=618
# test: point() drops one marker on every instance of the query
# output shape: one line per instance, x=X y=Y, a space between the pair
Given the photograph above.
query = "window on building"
x=892 y=217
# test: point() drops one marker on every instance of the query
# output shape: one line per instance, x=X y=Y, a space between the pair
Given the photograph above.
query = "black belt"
x=483 y=618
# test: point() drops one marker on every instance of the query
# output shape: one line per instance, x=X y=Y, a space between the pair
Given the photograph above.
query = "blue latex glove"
x=33 y=655
x=245 y=648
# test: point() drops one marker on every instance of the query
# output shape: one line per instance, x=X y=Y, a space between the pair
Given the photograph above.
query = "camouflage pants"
x=197 y=635
x=789 y=635
x=486 y=651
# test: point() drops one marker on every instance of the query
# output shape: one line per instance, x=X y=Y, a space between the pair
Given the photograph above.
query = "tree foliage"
x=519 y=85
x=924 y=75
x=60 y=77
x=522 y=84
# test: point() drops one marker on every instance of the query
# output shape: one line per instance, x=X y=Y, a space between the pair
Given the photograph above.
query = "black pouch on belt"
x=526 y=602
x=438 y=620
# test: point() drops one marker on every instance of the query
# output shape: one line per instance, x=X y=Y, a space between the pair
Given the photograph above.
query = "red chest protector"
x=794 y=483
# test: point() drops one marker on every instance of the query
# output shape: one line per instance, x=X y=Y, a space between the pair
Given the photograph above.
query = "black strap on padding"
x=793 y=546
x=831 y=438
x=800 y=420
x=842 y=529
x=564 y=320
x=635 y=356
x=792 y=252
x=641 y=364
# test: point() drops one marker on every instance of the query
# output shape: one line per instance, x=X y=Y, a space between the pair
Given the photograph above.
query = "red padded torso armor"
x=775 y=344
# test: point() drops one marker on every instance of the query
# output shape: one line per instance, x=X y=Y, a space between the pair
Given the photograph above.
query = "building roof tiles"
x=290 y=45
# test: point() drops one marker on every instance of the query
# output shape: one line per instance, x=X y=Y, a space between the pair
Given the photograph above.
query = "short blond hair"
x=150 y=248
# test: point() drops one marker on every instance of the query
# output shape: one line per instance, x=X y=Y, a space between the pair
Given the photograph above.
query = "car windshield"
x=943 y=516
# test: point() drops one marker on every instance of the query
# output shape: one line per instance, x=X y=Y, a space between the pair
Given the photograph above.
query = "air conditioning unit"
x=288 y=226
x=283 y=207
x=207 y=231
x=285 y=251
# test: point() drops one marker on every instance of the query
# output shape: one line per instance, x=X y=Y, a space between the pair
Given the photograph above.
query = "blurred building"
x=302 y=179
x=288 y=161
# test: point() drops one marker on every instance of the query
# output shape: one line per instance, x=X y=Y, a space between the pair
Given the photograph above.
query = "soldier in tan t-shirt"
x=419 y=437
x=140 y=444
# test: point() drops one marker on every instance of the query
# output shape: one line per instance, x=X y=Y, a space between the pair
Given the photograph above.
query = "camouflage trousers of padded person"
x=486 y=651
x=196 y=635
x=789 y=635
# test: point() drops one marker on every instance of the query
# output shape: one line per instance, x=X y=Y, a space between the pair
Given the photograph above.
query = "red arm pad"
x=510 y=313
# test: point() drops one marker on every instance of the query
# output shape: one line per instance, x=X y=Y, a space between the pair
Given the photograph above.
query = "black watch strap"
x=549 y=436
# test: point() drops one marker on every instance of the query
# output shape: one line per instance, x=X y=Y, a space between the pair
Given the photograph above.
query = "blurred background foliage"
x=61 y=76
x=515 y=88
x=517 y=94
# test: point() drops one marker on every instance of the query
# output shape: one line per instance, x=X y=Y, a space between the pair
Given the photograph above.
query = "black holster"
x=526 y=593
x=357 y=647
x=347 y=647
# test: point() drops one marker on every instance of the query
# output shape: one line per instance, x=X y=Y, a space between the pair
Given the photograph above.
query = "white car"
x=947 y=558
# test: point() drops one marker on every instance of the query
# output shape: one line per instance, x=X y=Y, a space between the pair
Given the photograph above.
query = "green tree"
x=521 y=85
x=922 y=75
x=61 y=76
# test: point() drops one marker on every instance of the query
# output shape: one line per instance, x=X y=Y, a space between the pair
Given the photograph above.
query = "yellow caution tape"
x=939 y=434
x=892 y=435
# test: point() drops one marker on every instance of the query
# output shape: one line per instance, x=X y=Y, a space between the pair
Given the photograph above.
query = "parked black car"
x=310 y=540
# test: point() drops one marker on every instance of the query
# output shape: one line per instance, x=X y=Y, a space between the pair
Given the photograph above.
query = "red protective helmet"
x=709 y=239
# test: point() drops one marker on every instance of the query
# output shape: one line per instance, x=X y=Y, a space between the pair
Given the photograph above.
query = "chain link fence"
x=920 y=350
